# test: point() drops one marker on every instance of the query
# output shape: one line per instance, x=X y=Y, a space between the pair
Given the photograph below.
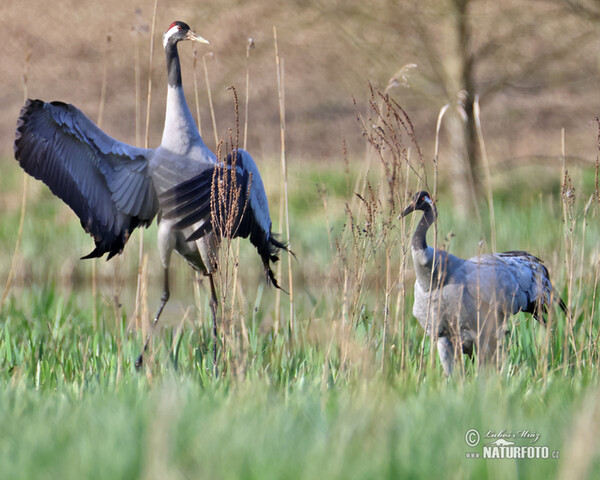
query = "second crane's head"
x=179 y=31
x=421 y=201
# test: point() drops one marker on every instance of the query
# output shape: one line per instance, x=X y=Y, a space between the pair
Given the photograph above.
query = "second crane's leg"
x=446 y=352
x=213 y=308
x=164 y=298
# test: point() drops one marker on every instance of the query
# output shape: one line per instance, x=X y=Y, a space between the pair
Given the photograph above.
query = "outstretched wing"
x=517 y=279
x=104 y=181
x=230 y=199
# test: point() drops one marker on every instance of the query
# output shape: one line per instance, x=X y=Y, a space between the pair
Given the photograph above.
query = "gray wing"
x=230 y=199
x=216 y=198
x=104 y=181
x=517 y=281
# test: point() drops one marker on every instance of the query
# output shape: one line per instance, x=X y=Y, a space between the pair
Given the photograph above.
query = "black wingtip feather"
x=276 y=245
x=271 y=277
x=40 y=139
x=271 y=254
x=562 y=305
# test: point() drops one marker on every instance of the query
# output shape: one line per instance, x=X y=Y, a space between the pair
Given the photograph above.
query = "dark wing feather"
x=518 y=279
x=220 y=199
x=104 y=181
x=217 y=197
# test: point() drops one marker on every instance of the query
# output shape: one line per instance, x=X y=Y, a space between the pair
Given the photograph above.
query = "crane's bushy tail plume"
x=540 y=291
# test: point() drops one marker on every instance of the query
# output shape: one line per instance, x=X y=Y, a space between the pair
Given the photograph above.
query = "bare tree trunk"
x=461 y=173
x=461 y=122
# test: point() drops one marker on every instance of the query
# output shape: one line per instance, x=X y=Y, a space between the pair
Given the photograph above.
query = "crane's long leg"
x=213 y=307
x=164 y=298
x=446 y=352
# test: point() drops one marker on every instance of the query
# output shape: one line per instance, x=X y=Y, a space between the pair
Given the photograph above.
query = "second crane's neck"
x=180 y=132
x=419 y=239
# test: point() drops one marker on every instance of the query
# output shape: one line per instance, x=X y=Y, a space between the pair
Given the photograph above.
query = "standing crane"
x=467 y=302
x=114 y=187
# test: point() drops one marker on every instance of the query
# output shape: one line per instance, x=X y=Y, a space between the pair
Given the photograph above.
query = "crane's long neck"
x=423 y=256
x=173 y=65
x=419 y=239
x=180 y=132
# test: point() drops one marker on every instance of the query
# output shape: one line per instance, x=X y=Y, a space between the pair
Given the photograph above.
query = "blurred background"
x=531 y=67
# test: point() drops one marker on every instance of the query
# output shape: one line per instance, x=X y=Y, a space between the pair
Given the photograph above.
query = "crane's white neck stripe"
x=168 y=34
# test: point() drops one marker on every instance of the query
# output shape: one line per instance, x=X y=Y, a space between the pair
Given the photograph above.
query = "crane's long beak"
x=409 y=209
x=196 y=38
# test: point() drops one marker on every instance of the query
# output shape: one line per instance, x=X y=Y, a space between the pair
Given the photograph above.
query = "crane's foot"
x=139 y=363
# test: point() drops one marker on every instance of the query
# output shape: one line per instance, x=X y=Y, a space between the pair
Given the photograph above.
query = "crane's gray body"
x=473 y=298
x=466 y=302
x=114 y=187
x=182 y=155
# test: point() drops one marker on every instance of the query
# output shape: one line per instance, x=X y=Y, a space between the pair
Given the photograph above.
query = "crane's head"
x=179 y=31
x=420 y=201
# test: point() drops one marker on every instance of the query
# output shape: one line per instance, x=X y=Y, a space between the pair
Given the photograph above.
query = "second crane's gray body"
x=465 y=303
x=473 y=298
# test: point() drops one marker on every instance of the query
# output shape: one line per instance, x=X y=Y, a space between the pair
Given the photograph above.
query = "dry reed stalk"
x=281 y=96
x=545 y=350
x=25 y=190
x=137 y=30
x=104 y=82
x=486 y=166
x=438 y=127
x=576 y=311
x=391 y=138
x=196 y=95
x=150 y=68
x=401 y=297
x=569 y=219
x=232 y=249
x=178 y=333
x=99 y=120
x=593 y=344
x=209 y=93
x=13 y=264
x=277 y=322
x=593 y=340
x=236 y=288
x=138 y=315
x=249 y=46
x=227 y=209
x=386 y=307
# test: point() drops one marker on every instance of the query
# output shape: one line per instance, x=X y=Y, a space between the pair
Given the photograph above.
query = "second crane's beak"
x=196 y=38
x=409 y=209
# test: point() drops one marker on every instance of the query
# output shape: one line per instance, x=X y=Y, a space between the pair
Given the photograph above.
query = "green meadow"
x=334 y=380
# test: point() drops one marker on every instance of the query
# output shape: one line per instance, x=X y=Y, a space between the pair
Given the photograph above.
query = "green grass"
x=352 y=392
